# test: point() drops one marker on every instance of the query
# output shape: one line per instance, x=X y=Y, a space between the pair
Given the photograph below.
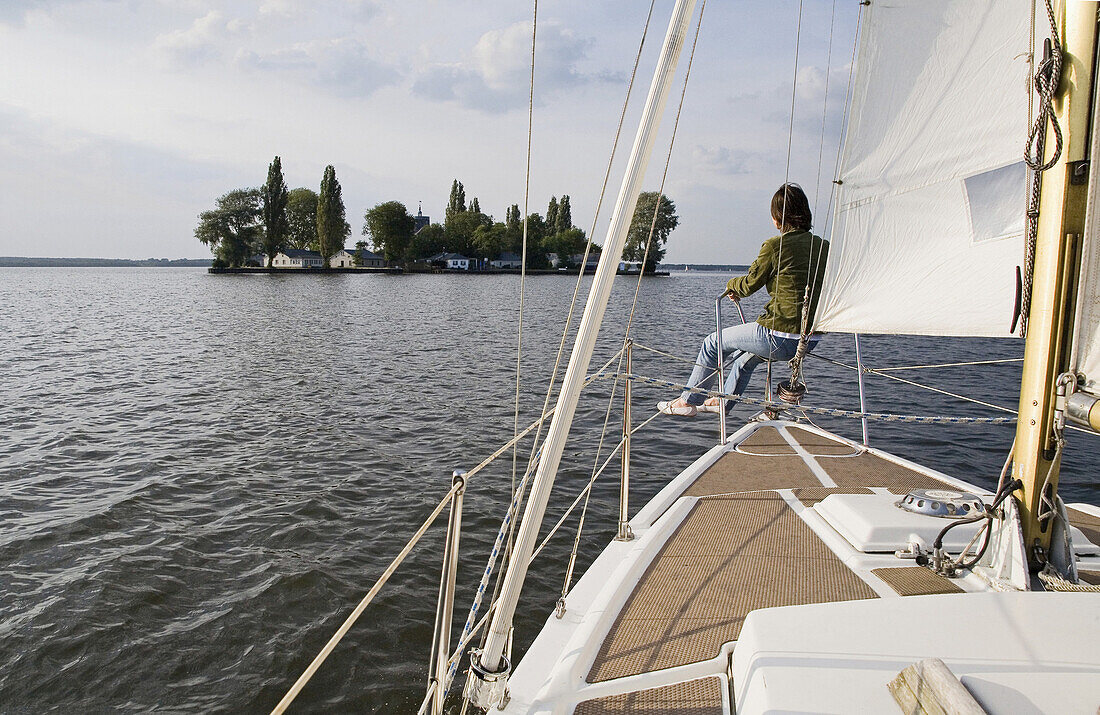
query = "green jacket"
x=785 y=277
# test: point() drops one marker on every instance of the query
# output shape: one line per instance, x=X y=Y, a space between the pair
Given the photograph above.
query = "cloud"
x=810 y=84
x=354 y=10
x=342 y=65
x=200 y=43
x=721 y=160
x=495 y=76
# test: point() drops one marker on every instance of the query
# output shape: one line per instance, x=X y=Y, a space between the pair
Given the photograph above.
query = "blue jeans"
x=748 y=345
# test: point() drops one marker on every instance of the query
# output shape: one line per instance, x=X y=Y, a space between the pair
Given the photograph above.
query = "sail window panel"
x=993 y=201
x=923 y=238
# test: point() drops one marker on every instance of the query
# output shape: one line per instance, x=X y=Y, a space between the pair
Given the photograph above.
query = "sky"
x=122 y=120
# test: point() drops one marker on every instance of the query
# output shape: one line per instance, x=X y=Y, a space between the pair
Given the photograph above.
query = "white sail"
x=929 y=217
x=1085 y=356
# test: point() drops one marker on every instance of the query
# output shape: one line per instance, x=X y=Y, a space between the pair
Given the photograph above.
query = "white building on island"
x=454 y=261
x=297 y=258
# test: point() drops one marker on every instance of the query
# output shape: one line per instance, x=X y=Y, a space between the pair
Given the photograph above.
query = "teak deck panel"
x=732 y=555
x=695 y=697
x=741 y=548
x=916 y=581
x=736 y=472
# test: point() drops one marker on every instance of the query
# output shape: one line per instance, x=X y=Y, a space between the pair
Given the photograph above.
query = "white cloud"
x=810 y=86
x=495 y=77
x=721 y=159
x=356 y=10
x=342 y=65
x=203 y=41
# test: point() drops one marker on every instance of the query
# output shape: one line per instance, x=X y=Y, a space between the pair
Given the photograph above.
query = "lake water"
x=201 y=475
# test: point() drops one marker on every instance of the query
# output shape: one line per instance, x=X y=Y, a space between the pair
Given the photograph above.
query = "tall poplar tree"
x=276 y=226
x=565 y=215
x=475 y=206
x=332 y=227
x=457 y=202
x=512 y=219
x=552 y=212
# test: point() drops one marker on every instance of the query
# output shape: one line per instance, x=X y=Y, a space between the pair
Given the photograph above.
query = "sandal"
x=708 y=406
x=680 y=410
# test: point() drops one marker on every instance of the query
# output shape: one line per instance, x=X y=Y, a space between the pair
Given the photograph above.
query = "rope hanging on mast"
x=1046 y=77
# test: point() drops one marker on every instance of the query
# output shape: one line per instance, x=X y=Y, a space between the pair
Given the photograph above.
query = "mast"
x=1061 y=224
x=599 y=294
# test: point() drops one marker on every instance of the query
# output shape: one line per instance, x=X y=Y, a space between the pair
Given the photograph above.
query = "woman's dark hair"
x=791 y=208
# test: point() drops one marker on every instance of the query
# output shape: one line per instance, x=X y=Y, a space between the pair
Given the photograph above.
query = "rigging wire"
x=846 y=114
x=580 y=276
x=523 y=250
x=948 y=364
x=825 y=106
x=637 y=292
x=787 y=166
x=874 y=371
x=817 y=258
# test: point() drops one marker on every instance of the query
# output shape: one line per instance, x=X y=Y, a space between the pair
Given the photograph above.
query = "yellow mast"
x=1061 y=224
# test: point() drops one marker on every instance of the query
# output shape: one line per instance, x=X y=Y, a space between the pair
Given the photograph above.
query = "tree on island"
x=275 y=196
x=536 y=242
x=461 y=228
x=638 y=235
x=457 y=202
x=390 y=228
x=552 y=216
x=428 y=241
x=233 y=229
x=565 y=216
x=566 y=244
x=512 y=218
x=332 y=228
x=301 y=215
x=490 y=240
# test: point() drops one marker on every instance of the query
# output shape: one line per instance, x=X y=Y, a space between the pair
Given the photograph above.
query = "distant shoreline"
x=28 y=262
x=32 y=262
x=434 y=271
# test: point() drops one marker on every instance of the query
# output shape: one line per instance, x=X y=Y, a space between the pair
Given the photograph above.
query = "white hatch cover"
x=1015 y=652
x=873 y=523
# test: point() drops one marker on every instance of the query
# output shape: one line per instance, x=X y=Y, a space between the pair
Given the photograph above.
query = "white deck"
x=553 y=675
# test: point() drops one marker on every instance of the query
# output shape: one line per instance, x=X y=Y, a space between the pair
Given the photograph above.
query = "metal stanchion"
x=721 y=359
x=721 y=367
x=859 y=378
x=441 y=641
x=625 y=534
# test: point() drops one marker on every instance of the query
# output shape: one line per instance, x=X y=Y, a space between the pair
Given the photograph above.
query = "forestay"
x=929 y=216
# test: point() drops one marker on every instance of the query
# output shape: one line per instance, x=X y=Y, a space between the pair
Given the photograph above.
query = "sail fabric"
x=1085 y=357
x=929 y=218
